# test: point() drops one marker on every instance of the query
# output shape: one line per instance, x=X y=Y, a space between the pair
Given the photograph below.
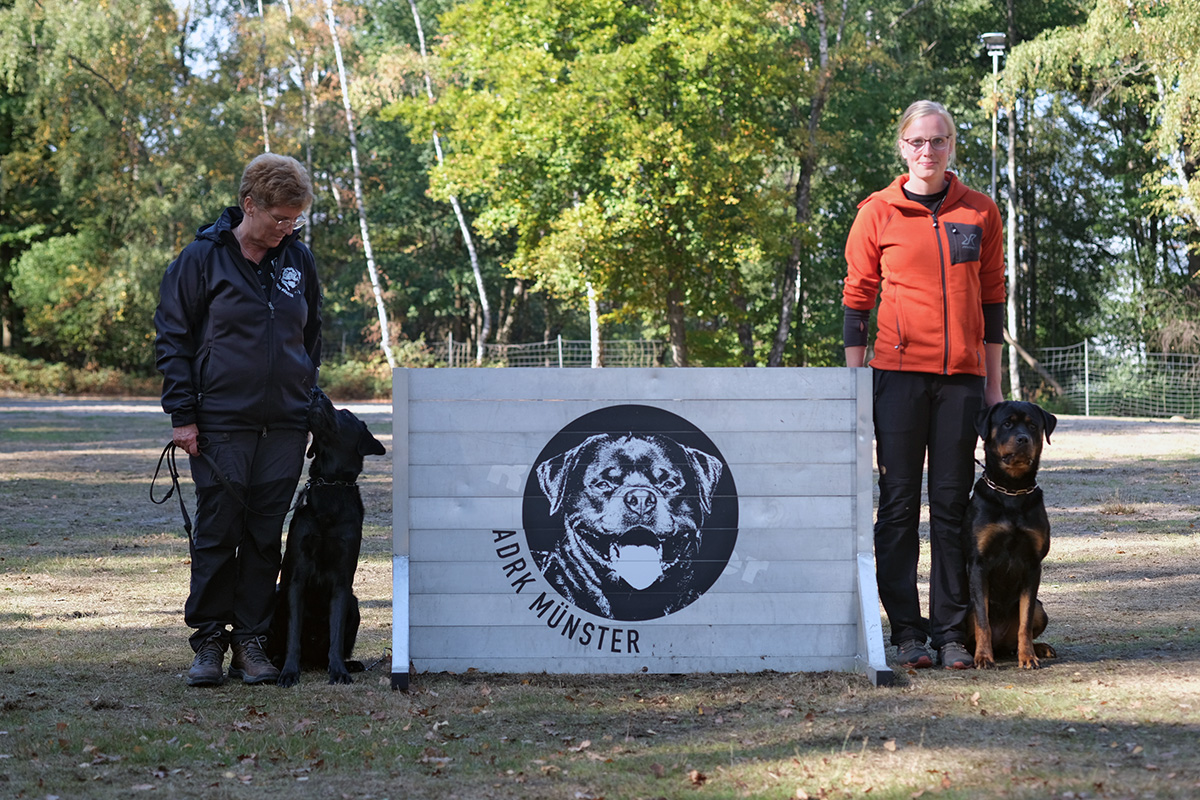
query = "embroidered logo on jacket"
x=289 y=281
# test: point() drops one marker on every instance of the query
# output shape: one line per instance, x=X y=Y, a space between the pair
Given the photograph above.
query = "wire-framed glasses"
x=287 y=223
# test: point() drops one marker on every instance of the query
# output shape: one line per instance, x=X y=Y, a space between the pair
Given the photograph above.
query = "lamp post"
x=994 y=42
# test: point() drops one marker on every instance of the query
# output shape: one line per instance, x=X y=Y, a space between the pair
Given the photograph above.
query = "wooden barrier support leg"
x=400 y=623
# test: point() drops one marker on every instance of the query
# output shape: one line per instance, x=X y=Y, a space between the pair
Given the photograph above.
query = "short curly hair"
x=274 y=181
x=926 y=108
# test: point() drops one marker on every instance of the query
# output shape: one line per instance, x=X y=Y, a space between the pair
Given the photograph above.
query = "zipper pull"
x=271 y=305
x=935 y=219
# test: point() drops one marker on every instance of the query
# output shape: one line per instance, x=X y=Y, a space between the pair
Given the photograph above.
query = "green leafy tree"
x=1129 y=74
x=106 y=132
x=622 y=145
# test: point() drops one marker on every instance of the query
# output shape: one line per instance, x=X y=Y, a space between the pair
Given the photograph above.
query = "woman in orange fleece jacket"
x=930 y=251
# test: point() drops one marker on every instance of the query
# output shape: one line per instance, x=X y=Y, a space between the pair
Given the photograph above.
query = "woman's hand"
x=187 y=439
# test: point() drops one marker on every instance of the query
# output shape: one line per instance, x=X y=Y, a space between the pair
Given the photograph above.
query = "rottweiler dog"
x=316 y=617
x=633 y=509
x=1007 y=534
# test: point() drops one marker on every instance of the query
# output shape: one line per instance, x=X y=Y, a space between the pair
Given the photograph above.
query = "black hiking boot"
x=207 y=668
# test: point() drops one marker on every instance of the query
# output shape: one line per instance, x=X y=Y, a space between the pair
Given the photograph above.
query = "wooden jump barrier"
x=634 y=520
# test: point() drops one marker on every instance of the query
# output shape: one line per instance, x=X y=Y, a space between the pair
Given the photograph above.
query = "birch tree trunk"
x=594 y=326
x=260 y=67
x=306 y=106
x=484 y=307
x=384 y=335
x=791 y=295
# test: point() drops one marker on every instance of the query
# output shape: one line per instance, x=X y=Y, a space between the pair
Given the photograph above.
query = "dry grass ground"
x=93 y=651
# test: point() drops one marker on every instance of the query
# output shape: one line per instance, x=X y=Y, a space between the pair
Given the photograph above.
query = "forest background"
x=684 y=171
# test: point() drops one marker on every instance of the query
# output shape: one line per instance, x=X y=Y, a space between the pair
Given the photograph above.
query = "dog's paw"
x=339 y=677
x=287 y=679
x=1044 y=650
x=1028 y=661
x=984 y=661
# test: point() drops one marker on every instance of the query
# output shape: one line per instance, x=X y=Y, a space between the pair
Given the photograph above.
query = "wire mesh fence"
x=558 y=352
x=1090 y=381
x=1079 y=379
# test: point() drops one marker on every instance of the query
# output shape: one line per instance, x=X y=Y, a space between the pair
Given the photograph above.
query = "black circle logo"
x=630 y=512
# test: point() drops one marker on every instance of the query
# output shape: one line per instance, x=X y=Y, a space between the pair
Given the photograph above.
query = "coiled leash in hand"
x=168 y=456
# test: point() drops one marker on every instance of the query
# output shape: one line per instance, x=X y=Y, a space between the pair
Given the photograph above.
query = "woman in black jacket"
x=239 y=343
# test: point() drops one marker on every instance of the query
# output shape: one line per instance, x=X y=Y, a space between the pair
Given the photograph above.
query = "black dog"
x=1007 y=535
x=317 y=613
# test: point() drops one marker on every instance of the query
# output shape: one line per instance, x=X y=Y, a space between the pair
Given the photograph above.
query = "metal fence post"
x=450 y=350
x=1087 y=383
x=560 y=353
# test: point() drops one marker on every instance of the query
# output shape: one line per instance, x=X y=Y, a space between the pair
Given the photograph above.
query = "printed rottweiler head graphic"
x=633 y=508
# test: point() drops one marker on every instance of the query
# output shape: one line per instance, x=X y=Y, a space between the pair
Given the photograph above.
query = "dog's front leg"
x=290 y=674
x=339 y=602
x=984 y=655
x=1026 y=655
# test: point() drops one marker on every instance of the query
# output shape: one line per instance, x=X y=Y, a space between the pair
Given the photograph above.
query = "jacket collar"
x=221 y=231
x=893 y=194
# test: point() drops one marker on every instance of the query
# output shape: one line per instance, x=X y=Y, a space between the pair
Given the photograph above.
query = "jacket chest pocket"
x=965 y=241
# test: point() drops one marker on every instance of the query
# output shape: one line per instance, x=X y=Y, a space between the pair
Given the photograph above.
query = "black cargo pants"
x=918 y=414
x=237 y=543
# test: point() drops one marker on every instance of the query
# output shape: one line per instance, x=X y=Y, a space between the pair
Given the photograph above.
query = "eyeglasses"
x=286 y=223
x=937 y=142
x=289 y=224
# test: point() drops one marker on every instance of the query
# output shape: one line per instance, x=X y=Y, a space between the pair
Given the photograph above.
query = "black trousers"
x=918 y=414
x=237 y=542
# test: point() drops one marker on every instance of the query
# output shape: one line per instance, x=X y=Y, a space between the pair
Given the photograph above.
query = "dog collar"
x=322 y=482
x=1010 y=492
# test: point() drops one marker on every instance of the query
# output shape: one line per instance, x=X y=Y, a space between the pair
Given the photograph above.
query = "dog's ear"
x=708 y=472
x=983 y=421
x=1048 y=422
x=553 y=473
x=368 y=445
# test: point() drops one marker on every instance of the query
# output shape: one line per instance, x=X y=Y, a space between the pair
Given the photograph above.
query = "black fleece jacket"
x=238 y=343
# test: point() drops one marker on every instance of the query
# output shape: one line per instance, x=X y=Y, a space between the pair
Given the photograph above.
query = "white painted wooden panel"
x=633 y=643
x=712 y=416
x=799 y=608
x=615 y=386
x=778 y=576
x=753 y=546
x=505 y=448
x=676 y=664
x=508 y=480
x=791 y=596
x=433 y=514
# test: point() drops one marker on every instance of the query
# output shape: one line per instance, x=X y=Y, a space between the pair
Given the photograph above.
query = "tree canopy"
x=692 y=167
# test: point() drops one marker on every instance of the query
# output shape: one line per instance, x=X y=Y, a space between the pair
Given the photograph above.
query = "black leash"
x=387 y=653
x=168 y=455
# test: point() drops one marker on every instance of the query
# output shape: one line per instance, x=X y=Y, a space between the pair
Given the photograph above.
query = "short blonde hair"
x=272 y=181
x=925 y=108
